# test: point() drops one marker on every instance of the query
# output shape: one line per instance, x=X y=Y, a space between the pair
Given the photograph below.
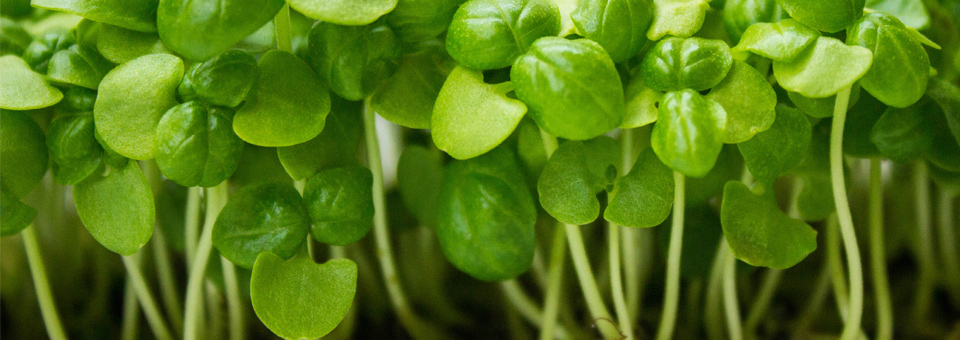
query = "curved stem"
x=38 y=271
x=149 y=304
x=948 y=244
x=878 y=259
x=192 y=223
x=551 y=307
x=762 y=303
x=730 y=304
x=131 y=313
x=928 y=275
x=527 y=308
x=672 y=294
x=581 y=263
x=616 y=281
x=281 y=24
x=848 y=233
x=216 y=198
x=237 y=327
x=168 y=283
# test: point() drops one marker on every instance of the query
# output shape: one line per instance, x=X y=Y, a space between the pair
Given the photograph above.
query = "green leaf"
x=486 y=217
x=287 y=106
x=13 y=38
x=689 y=132
x=196 y=145
x=824 y=15
x=749 y=101
x=171 y=200
x=73 y=147
x=340 y=204
x=573 y=177
x=354 y=60
x=686 y=63
x=39 y=52
x=257 y=165
x=120 y=45
x=117 y=208
x=759 y=233
x=779 y=149
x=944 y=112
x=14 y=215
x=903 y=134
x=620 y=26
x=679 y=18
x=130 y=101
x=900 y=68
x=815 y=202
x=860 y=121
x=23 y=152
x=78 y=65
x=912 y=13
x=23 y=89
x=490 y=34
x=201 y=29
x=224 y=80
x=571 y=86
x=344 y=12
x=137 y=15
x=781 y=41
x=264 y=217
x=740 y=15
x=729 y=167
x=408 y=97
x=822 y=107
x=422 y=20
x=419 y=178
x=824 y=68
x=644 y=197
x=641 y=102
x=300 y=299
x=948 y=97
x=335 y=146
x=472 y=117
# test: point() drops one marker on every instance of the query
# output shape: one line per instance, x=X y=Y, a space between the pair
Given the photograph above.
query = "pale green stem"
x=168 y=283
x=928 y=272
x=282 y=25
x=712 y=316
x=836 y=267
x=730 y=304
x=631 y=270
x=214 y=301
x=527 y=308
x=216 y=198
x=149 y=304
x=816 y=303
x=551 y=305
x=581 y=263
x=131 y=313
x=38 y=271
x=234 y=304
x=852 y=327
x=761 y=304
x=878 y=259
x=616 y=282
x=192 y=223
x=672 y=294
x=948 y=244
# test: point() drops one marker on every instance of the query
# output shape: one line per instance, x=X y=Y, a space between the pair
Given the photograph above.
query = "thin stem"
x=214 y=300
x=928 y=275
x=282 y=25
x=131 y=313
x=948 y=244
x=168 y=283
x=581 y=263
x=730 y=304
x=192 y=222
x=852 y=328
x=527 y=308
x=878 y=259
x=672 y=294
x=836 y=267
x=216 y=198
x=237 y=327
x=816 y=303
x=149 y=304
x=712 y=318
x=38 y=271
x=551 y=305
x=616 y=281
x=761 y=304
x=631 y=268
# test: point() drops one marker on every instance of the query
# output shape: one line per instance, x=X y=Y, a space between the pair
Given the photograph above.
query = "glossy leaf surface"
x=749 y=101
x=489 y=34
x=823 y=69
x=138 y=15
x=340 y=204
x=644 y=197
x=344 y=12
x=23 y=152
x=679 y=18
x=408 y=97
x=23 y=89
x=686 y=63
x=759 y=233
x=78 y=65
x=620 y=26
x=574 y=175
x=73 y=147
x=196 y=145
x=824 y=15
x=117 y=209
x=780 y=41
x=335 y=146
x=224 y=80
x=912 y=13
x=201 y=29
x=421 y=20
x=779 y=149
x=354 y=60
x=900 y=68
x=689 y=132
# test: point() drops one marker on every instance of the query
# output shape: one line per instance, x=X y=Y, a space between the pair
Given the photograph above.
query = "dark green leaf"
x=686 y=63
x=825 y=15
x=408 y=97
x=421 y=20
x=643 y=198
x=573 y=177
x=903 y=134
x=14 y=215
x=620 y=26
x=354 y=60
x=23 y=152
x=419 y=178
x=117 y=208
x=860 y=121
x=196 y=145
x=759 y=233
x=73 y=147
x=335 y=146
x=779 y=149
x=223 y=80
x=490 y=34
x=340 y=203
x=13 y=38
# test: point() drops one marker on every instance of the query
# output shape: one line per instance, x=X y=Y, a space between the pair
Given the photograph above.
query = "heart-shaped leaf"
x=264 y=217
x=422 y=20
x=73 y=147
x=117 y=208
x=572 y=87
x=641 y=102
x=344 y=12
x=78 y=65
x=23 y=89
x=759 y=233
x=14 y=215
x=781 y=41
x=472 y=117
x=824 y=68
x=689 y=132
x=740 y=15
x=201 y=29
x=573 y=177
x=335 y=146
x=686 y=63
x=486 y=217
x=779 y=149
x=130 y=101
x=822 y=107
x=749 y=101
x=408 y=97
x=419 y=178
x=287 y=106
x=196 y=145
x=340 y=203
x=224 y=80
x=620 y=26
x=489 y=34
x=825 y=15
x=138 y=15
x=901 y=67
x=679 y=18
x=300 y=299
x=644 y=197
x=354 y=60
x=903 y=134
x=120 y=45
x=23 y=152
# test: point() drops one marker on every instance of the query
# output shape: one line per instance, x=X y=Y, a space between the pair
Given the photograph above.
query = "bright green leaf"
x=201 y=29
x=620 y=26
x=340 y=204
x=781 y=41
x=421 y=20
x=740 y=15
x=641 y=102
x=573 y=177
x=354 y=60
x=73 y=147
x=749 y=101
x=344 y=12
x=689 y=132
x=912 y=13
x=901 y=66
x=686 y=63
x=196 y=145
x=825 y=15
x=78 y=65
x=824 y=68
x=759 y=233
x=23 y=89
x=679 y=18
x=490 y=34
x=138 y=15
x=644 y=197
x=117 y=208
x=120 y=45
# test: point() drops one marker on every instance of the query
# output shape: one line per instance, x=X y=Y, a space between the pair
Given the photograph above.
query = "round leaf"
x=644 y=197
x=73 y=147
x=903 y=134
x=196 y=145
x=201 y=29
x=739 y=15
x=781 y=41
x=421 y=20
x=573 y=177
x=354 y=60
x=779 y=149
x=408 y=97
x=223 y=80
x=23 y=89
x=23 y=152
x=686 y=63
x=138 y=15
x=287 y=106
x=117 y=209
x=344 y=12
x=825 y=15
x=901 y=67
x=824 y=68
x=490 y=34
x=335 y=146
x=689 y=132
x=749 y=101
x=620 y=26
x=679 y=18
x=78 y=65
x=340 y=204
x=914 y=14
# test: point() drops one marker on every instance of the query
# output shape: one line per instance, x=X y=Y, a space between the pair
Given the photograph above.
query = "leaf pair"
x=224 y=80
x=354 y=60
x=620 y=26
x=196 y=145
x=491 y=34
